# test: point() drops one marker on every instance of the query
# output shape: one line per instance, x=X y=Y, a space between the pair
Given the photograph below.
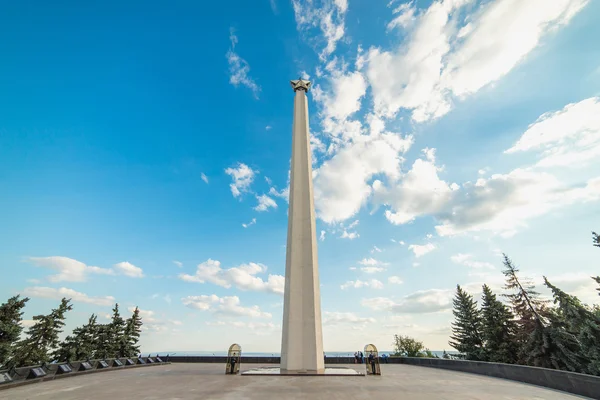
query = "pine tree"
x=597 y=279
x=42 y=337
x=466 y=329
x=103 y=344
x=117 y=333
x=81 y=344
x=596 y=239
x=10 y=326
x=498 y=329
x=531 y=313
x=578 y=320
x=133 y=328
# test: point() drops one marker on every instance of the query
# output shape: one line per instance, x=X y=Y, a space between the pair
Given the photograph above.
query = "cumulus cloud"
x=128 y=269
x=242 y=176
x=419 y=192
x=442 y=59
x=420 y=302
x=505 y=202
x=264 y=203
x=357 y=284
x=228 y=306
x=342 y=182
x=242 y=277
x=71 y=270
x=395 y=279
x=468 y=261
x=565 y=138
x=326 y=15
x=57 y=294
x=421 y=250
x=238 y=67
x=371 y=265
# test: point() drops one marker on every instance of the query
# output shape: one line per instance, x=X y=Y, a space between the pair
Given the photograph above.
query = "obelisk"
x=302 y=338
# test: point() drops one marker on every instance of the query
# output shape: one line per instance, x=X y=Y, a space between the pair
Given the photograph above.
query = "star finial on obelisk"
x=300 y=84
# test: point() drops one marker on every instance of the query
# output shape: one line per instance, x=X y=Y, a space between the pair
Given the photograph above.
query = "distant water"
x=274 y=354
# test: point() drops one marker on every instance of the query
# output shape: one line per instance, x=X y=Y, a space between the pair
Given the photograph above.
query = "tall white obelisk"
x=302 y=339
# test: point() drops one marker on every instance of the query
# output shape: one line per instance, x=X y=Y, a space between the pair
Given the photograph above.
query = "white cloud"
x=441 y=59
x=341 y=183
x=256 y=328
x=371 y=265
x=57 y=294
x=376 y=249
x=128 y=269
x=242 y=176
x=333 y=318
x=228 y=306
x=204 y=177
x=238 y=67
x=178 y=263
x=405 y=16
x=420 y=191
x=250 y=223
x=489 y=51
x=357 y=284
x=349 y=235
x=372 y=270
x=71 y=270
x=264 y=203
x=327 y=15
x=421 y=250
x=467 y=261
x=322 y=236
x=420 y=302
x=395 y=280
x=566 y=138
x=503 y=203
x=27 y=323
x=242 y=277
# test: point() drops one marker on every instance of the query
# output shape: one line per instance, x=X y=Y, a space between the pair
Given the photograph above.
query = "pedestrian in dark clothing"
x=372 y=362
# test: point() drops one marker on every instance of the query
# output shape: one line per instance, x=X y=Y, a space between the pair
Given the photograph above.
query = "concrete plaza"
x=208 y=381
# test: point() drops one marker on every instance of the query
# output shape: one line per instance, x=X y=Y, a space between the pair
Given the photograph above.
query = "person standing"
x=371 y=360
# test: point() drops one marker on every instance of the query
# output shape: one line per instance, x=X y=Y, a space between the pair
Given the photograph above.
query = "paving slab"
x=208 y=381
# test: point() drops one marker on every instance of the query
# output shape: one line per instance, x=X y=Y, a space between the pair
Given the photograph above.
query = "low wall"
x=571 y=382
x=21 y=376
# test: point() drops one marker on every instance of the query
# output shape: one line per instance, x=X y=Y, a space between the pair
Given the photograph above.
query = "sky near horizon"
x=145 y=148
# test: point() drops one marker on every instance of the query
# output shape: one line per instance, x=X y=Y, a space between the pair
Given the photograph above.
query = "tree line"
x=561 y=333
x=41 y=344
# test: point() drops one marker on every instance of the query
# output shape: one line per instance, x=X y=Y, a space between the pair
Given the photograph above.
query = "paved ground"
x=207 y=382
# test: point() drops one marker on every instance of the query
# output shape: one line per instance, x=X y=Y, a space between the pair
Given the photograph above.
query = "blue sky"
x=144 y=156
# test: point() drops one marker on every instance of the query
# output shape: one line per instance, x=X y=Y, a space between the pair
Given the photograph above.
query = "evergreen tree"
x=81 y=345
x=466 y=328
x=597 y=279
x=42 y=337
x=498 y=329
x=103 y=342
x=133 y=328
x=596 y=239
x=578 y=320
x=117 y=333
x=10 y=326
x=530 y=312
